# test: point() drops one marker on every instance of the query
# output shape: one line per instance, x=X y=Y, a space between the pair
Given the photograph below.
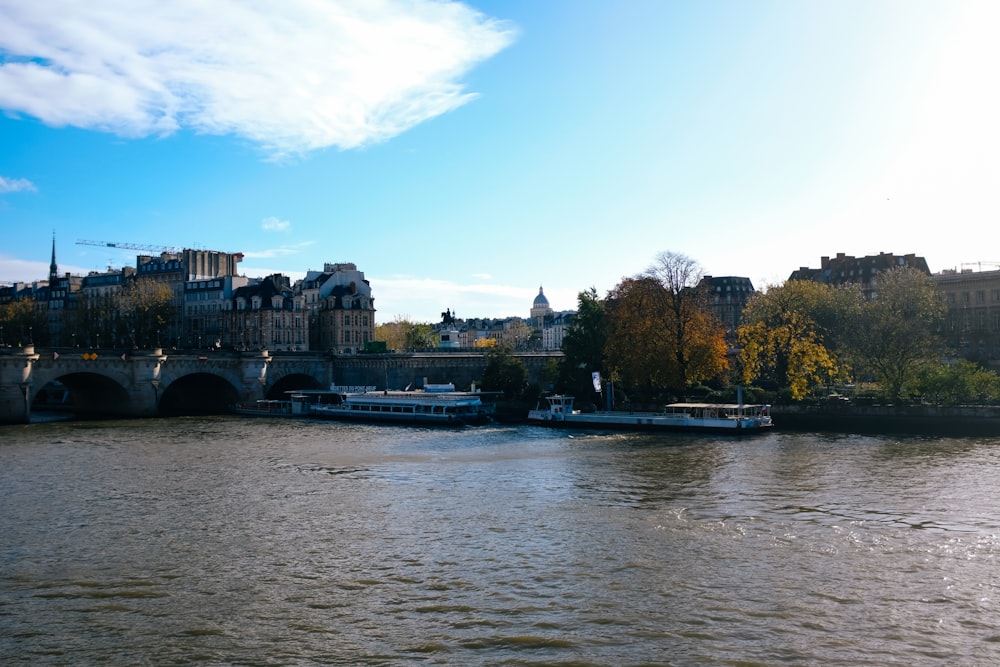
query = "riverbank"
x=901 y=419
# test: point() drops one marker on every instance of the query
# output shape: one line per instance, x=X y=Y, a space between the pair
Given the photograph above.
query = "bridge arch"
x=86 y=395
x=291 y=382
x=200 y=393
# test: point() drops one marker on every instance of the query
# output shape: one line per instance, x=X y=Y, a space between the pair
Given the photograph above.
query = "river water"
x=228 y=541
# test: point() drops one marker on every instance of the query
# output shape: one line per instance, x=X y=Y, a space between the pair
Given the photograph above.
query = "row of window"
x=977 y=319
x=952 y=298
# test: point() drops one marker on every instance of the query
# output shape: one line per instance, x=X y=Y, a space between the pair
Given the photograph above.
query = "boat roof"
x=732 y=406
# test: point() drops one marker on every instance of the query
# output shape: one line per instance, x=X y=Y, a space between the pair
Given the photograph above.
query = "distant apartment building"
x=340 y=308
x=972 y=320
x=555 y=328
x=263 y=314
x=208 y=308
x=727 y=297
x=845 y=269
x=180 y=268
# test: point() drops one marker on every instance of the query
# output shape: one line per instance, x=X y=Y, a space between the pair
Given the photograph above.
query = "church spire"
x=53 y=268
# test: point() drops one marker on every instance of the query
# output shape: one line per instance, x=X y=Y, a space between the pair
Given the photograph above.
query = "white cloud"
x=16 y=185
x=273 y=224
x=291 y=76
x=280 y=251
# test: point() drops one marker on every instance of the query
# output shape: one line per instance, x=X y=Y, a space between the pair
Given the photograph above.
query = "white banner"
x=596 y=377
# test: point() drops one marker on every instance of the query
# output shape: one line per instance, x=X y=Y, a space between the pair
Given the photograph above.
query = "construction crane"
x=128 y=246
x=979 y=265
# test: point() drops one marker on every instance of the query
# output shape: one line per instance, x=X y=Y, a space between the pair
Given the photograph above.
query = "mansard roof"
x=727 y=283
x=843 y=269
x=266 y=290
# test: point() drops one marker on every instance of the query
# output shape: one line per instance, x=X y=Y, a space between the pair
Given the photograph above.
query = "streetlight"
x=74 y=339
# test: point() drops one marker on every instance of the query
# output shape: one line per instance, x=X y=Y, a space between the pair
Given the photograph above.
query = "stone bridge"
x=146 y=383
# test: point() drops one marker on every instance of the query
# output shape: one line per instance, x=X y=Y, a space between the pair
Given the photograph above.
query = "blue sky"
x=463 y=154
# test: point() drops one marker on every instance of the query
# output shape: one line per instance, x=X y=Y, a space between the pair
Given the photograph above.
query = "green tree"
x=895 y=333
x=420 y=337
x=583 y=345
x=505 y=373
x=961 y=382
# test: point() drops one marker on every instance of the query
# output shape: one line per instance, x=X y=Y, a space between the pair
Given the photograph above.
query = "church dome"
x=540 y=300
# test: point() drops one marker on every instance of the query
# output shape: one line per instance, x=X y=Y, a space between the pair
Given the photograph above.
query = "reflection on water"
x=227 y=541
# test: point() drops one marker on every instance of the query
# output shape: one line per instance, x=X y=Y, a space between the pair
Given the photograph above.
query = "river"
x=228 y=541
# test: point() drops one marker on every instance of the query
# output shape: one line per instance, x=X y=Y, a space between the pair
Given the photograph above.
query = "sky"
x=463 y=155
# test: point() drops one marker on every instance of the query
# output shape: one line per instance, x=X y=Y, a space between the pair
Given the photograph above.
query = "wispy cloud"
x=280 y=251
x=291 y=76
x=16 y=185
x=273 y=224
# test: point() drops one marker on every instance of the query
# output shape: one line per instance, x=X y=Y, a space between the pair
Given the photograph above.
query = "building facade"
x=845 y=270
x=264 y=315
x=341 y=308
x=727 y=297
x=972 y=319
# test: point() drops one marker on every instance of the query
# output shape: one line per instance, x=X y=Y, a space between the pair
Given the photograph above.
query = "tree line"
x=655 y=337
x=132 y=316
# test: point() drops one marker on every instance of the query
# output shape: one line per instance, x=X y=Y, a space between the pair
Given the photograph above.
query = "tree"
x=145 y=308
x=402 y=334
x=958 y=383
x=420 y=337
x=663 y=335
x=393 y=333
x=788 y=335
x=583 y=345
x=505 y=373
x=896 y=332
x=23 y=322
x=518 y=335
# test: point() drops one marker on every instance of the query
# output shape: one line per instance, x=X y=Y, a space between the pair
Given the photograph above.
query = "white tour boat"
x=435 y=404
x=722 y=417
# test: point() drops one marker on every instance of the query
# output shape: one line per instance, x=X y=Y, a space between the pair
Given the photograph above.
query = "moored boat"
x=265 y=408
x=431 y=406
x=736 y=418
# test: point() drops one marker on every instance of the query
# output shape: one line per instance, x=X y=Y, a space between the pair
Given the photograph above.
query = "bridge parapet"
x=134 y=384
x=15 y=385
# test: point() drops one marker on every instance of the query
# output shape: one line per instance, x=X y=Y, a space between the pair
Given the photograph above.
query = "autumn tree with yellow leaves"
x=791 y=333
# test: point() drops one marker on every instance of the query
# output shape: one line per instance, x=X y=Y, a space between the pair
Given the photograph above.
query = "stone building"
x=972 y=320
x=727 y=297
x=555 y=330
x=340 y=307
x=178 y=269
x=845 y=269
x=266 y=315
x=208 y=312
